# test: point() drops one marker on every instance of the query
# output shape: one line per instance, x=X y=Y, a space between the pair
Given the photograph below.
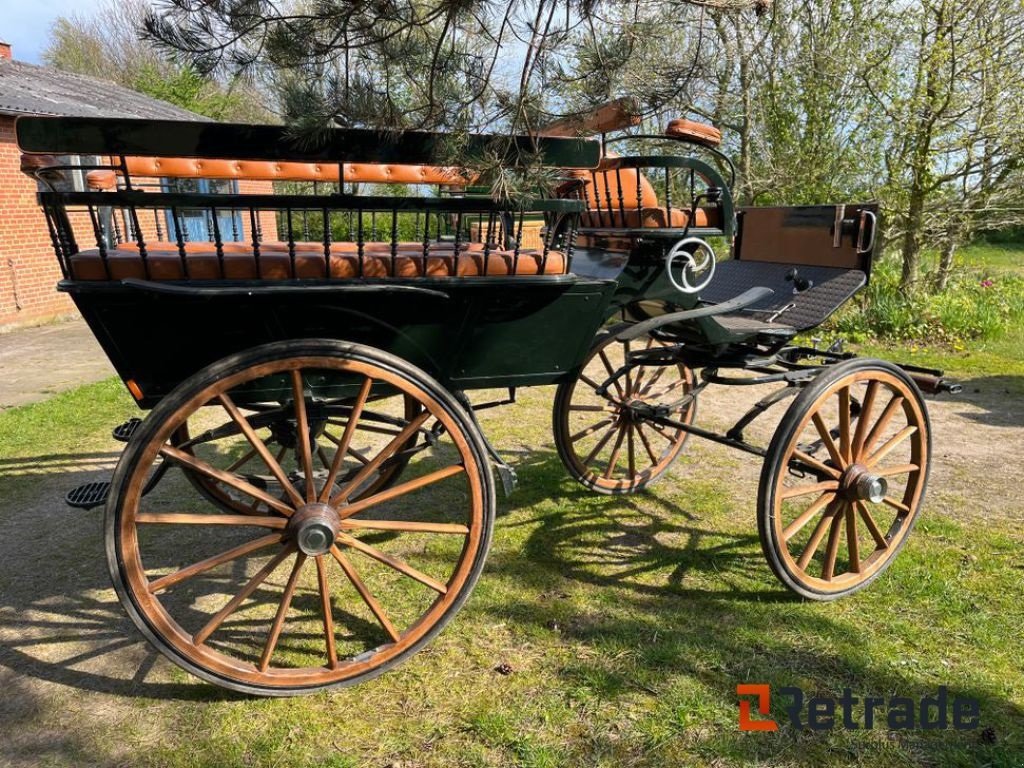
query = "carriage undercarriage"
x=310 y=499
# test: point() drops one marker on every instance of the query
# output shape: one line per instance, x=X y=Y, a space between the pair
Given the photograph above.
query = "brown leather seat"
x=691 y=130
x=651 y=218
x=238 y=261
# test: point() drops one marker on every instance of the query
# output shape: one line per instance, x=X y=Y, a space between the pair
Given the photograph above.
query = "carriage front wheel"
x=844 y=478
x=601 y=421
x=319 y=582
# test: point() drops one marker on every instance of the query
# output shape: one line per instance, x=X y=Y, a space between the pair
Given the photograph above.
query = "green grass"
x=984 y=302
x=627 y=622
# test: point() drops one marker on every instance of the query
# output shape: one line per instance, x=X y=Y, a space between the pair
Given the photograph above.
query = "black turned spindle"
x=360 y=241
x=179 y=241
x=426 y=240
x=218 y=242
x=394 y=241
x=291 y=239
x=668 y=196
x=327 y=240
x=255 y=235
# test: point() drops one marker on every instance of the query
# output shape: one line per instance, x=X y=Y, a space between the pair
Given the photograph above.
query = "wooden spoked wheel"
x=844 y=479
x=321 y=582
x=325 y=436
x=604 y=440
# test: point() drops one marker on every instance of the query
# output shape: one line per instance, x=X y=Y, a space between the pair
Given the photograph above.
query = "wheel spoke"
x=629 y=371
x=670 y=388
x=589 y=430
x=368 y=598
x=228 y=479
x=611 y=372
x=394 y=562
x=816 y=537
x=864 y=419
x=259 y=446
x=589 y=382
x=242 y=461
x=845 y=436
x=883 y=421
x=282 y=609
x=600 y=444
x=187 y=518
x=896 y=469
x=890 y=501
x=827 y=441
x=791 y=492
x=403 y=525
x=164 y=582
x=253 y=584
x=589 y=408
x=305 y=444
x=346 y=438
x=819 y=504
x=654 y=380
x=813 y=463
x=829 y=566
x=631 y=450
x=400 y=490
x=614 y=459
x=396 y=442
x=853 y=546
x=646 y=444
x=325 y=608
x=880 y=541
x=889 y=446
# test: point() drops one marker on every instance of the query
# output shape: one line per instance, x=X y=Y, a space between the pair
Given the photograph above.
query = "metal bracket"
x=837 y=229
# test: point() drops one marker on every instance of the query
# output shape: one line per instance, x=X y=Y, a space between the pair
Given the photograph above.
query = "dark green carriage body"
x=469 y=334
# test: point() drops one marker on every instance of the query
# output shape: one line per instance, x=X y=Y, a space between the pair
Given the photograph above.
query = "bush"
x=976 y=305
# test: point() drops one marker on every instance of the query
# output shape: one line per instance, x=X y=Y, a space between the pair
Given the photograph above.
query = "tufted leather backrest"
x=603 y=185
x=263 y=170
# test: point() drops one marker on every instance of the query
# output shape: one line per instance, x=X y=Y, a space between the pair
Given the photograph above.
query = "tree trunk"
x=911 y=248
x=945 y=262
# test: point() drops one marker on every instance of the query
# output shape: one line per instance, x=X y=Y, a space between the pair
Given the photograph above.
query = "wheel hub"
x=313 y=528
x=860 y=484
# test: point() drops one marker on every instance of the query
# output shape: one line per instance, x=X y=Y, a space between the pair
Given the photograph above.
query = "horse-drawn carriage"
x=310 y=498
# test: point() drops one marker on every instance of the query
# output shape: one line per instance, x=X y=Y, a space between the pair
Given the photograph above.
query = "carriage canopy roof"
x=173 y=138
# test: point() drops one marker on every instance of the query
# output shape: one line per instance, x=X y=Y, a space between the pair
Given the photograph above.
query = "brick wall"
x=28 y=268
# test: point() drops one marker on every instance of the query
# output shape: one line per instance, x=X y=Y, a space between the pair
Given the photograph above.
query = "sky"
x=25 y=24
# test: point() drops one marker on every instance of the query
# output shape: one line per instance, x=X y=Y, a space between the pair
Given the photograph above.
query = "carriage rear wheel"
x=844 y=478
x=605 y=440
x=322 y=583
x=324 y=435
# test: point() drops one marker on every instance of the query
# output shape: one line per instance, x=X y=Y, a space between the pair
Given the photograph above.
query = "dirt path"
x=39 y=362
x=977 y=444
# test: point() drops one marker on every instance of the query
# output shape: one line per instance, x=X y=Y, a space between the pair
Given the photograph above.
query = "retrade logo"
x=763 y=706
x=822 y=713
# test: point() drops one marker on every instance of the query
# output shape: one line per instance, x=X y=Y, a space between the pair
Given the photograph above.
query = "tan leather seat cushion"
x=239 y=262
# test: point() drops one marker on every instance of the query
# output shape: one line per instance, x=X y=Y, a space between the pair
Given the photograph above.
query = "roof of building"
x=27 y=89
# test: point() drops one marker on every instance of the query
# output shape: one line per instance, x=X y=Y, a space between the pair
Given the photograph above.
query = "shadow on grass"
x=59 y=619
x=690 y=607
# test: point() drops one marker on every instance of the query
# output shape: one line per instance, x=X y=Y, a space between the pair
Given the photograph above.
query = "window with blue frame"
x=197 y=225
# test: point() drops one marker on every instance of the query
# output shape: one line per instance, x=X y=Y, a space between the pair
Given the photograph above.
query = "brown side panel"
x=806 y=235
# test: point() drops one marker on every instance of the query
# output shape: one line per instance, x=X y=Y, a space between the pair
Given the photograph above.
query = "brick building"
x=28 y=268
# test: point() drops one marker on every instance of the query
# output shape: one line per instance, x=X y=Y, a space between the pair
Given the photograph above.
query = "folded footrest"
x=124 y=432
x=88 y=495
